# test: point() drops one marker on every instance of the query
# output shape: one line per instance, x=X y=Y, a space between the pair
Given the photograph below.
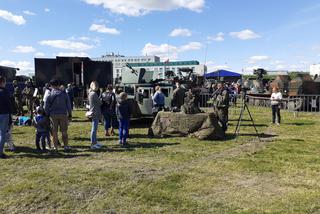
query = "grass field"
x=281 y=174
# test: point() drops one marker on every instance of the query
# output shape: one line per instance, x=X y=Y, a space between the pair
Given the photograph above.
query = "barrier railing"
x=305 y=103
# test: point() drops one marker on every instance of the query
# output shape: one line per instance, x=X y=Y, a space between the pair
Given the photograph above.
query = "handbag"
x=89 y=114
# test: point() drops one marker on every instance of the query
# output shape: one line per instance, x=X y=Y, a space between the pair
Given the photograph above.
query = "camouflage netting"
x=203 y=126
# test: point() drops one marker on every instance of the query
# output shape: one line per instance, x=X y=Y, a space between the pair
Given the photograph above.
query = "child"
x=123 y=114
x=42 y=124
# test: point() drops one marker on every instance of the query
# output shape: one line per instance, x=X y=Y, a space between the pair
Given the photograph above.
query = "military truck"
x=140 y=87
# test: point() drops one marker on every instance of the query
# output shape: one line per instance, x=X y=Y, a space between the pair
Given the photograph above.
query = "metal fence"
x=304 y=103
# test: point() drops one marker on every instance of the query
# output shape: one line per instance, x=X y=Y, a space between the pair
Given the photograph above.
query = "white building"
x=119 y=61
x=159 y=68
x=315 y=69
x=276 y=73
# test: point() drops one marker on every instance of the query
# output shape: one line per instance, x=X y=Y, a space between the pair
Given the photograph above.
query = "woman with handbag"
x=94 y=113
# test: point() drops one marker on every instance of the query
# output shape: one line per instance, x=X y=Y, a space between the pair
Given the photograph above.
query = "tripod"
x=244 y=107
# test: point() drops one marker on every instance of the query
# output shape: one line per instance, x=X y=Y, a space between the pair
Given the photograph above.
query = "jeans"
x=41 y=136
x=94 y=130
x=123 y=130
x=276 y=112
x=4 y=125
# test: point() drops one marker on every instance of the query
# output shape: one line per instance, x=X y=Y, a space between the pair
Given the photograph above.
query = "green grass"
x=170 y=175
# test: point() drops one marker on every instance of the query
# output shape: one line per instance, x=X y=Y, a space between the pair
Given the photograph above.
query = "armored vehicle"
x=140 y=87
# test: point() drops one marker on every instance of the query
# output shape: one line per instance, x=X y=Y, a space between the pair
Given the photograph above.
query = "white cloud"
x=24 y=66
x=255 y=59
x=164 y=50
x=18 y=20
x=70 y=54
x=212 y=66
x=180 y=32
x=143 y=7
x=65 y=44
x=316 y=47
x=220 y=67
x=39 y=54
x=47 y=10
x=249 y=70
x=29 y=13
x=103 y=29
x=276 y=62
x=281 y=67
x=218 y=38
x=245 y=35
x=24 y=49
x=191 y=46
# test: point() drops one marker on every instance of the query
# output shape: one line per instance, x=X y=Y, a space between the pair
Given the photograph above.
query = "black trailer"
x=8 y=72
x=77 y=70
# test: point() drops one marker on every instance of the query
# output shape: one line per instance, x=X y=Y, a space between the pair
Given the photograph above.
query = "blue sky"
x=230 y=34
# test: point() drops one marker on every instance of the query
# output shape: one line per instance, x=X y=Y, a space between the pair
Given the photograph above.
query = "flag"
x=167 y=61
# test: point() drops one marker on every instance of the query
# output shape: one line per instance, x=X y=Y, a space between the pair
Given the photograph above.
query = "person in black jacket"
x=123 y=114
x=108 y=108
x=5 y=114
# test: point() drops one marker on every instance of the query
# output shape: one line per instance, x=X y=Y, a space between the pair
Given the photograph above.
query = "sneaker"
x=67 y=148
x=278 y=124
x=98 y=144
x=3 y=156
x=95 y=146
x=107 y=134
x=120 y=142
x=12 y=148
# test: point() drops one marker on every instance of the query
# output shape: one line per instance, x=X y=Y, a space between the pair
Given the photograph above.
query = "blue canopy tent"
x=222 y=73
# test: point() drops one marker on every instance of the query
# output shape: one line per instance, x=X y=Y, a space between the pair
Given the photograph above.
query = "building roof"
x=152 y=64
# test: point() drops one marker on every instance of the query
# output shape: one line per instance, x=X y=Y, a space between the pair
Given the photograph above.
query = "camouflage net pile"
x=203 y=126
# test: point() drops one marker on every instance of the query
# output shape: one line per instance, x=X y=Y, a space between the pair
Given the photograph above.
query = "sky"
x=238 y=35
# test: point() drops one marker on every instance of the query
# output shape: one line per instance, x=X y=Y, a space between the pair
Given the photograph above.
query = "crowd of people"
x=54 y=112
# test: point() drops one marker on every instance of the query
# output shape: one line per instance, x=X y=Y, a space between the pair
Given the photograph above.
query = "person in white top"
x=276 y=98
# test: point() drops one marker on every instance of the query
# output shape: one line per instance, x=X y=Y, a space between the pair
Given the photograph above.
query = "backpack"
x=108 y=98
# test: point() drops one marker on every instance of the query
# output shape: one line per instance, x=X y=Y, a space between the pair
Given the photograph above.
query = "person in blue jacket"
x=123 y=112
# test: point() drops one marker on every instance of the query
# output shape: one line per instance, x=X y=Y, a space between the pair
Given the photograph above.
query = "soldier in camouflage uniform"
x=17 y=98
x=28 y=92
x=221 y=96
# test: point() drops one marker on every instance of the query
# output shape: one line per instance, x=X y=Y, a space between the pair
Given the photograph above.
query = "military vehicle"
x=140 y=87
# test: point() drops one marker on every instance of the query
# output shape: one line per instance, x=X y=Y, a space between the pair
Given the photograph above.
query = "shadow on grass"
x=261 y=135
x=79 y=120
x=249 y=125
x=301 y=123
x=100 y=139
x=129 y=147
x=29 y=152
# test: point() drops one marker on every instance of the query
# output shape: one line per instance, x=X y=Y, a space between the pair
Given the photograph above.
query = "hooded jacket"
x=123 y=110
